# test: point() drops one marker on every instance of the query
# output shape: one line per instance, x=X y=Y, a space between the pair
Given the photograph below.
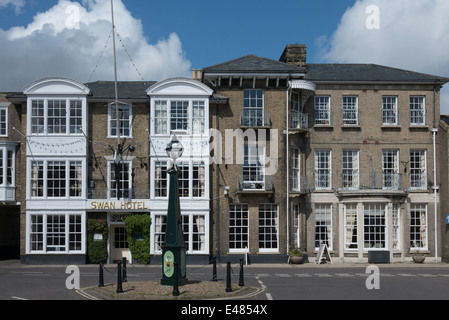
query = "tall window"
x=160 y=226
x=56 y=233
x=124 y=120
x=76 y=117
x=253 y=167
x=390 y=169
x=37 y=117
x=323 y=110
x=76 y=179
x=120 y=180
x=418 y=226
x=253 y=108
x=268 y=227
x=56 y=179
x=3 y=122
x=179 y=115
x=351 y=236
x=296 y=226
x=57 y=117
x=160 y=117
x=417 y=110
x=161 y=182
x=323 y=170
x=238 y=227
x=198 y=117
x=350 y=169
x=7 y=159
x=323 y=225
x=296 y=170
x=418 y=171
x=374 y=226
x=390 y=113
x=350 y=110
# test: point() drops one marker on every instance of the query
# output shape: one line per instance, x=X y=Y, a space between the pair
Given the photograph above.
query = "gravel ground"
x=153 y=290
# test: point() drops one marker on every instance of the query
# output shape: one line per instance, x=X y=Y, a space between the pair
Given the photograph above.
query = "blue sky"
x=212 y=33
x=169 y=38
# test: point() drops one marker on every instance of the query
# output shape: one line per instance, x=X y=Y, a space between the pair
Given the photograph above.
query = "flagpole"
x=115 y=74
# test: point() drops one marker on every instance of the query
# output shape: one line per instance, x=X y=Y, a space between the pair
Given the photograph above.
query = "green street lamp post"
x=174 y=248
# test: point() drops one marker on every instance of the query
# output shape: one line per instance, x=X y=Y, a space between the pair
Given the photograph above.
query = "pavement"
x=334 y=264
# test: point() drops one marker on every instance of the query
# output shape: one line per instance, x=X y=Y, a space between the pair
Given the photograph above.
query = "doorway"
x=119 y=244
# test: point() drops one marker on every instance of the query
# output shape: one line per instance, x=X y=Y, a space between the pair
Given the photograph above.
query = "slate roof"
x=367 y=73
x=254 y=64
x=105 y=90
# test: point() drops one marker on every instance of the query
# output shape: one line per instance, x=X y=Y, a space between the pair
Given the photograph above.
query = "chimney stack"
x=196 y=74
x=295 y=54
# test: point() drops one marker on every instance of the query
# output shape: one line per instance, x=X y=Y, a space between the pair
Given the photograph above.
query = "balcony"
x=127 y=194
x=299 y=122
x=255 y=118
x=262 y=185
x=7 y=194
x=373 y=182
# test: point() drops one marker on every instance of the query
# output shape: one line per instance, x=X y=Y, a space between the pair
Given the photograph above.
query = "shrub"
x=138 y=230
x=97 y=249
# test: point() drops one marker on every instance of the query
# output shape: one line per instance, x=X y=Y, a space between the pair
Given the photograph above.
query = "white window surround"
x=45 y=162
x=188 y=216
x=124 y=123
x=3 y=119
x=180 y=89
x=65 y=234
x=192 y=162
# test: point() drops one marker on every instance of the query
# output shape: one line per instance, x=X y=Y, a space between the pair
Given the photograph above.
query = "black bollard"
x=175 y=281
x=214 y=270
x=228 y=277
x=124 y=277
x=101 y=277
x=241 y=281
x=119 y=278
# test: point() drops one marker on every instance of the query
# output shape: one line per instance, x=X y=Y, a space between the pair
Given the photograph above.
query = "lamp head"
x=174 y=149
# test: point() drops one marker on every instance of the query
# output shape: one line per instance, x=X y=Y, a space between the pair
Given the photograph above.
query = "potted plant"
x=296 y=256
x=418 y=256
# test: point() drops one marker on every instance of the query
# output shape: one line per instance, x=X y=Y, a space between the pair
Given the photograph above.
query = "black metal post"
x=124 y=278
x=214 y=269
x=175 y=281
x=101 y=276
x=241 y=281
x=119 y=278
x=228 y=277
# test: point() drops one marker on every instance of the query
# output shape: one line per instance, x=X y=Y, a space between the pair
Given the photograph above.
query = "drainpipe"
x=435 y=187
x=288 y=165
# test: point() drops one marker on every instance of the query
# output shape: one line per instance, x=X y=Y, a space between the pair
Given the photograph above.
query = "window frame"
x=253 y=111
x=390 y=113
x=419 y=171
x=419 y=230
x=352 y=109
x=323 y=110
x=325 y=171
x=323 y=232
x=112 y=121
x=269 y=213
x=74 y=232
x=378 y=228
x=414 y=111
x=238 y=228
x=40 y=184
x=4 y=113
x=39 y=117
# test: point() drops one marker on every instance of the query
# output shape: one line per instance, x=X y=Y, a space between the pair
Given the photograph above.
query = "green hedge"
x=97 y=249
x=138 y=230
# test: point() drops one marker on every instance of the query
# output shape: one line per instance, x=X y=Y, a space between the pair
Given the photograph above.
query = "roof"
x=367 y=73
x=254 y=64
x=105 y=90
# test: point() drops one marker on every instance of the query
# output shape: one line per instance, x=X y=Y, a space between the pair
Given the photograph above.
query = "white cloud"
x=411 y=34
x=17 y=4
x=69 y=38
